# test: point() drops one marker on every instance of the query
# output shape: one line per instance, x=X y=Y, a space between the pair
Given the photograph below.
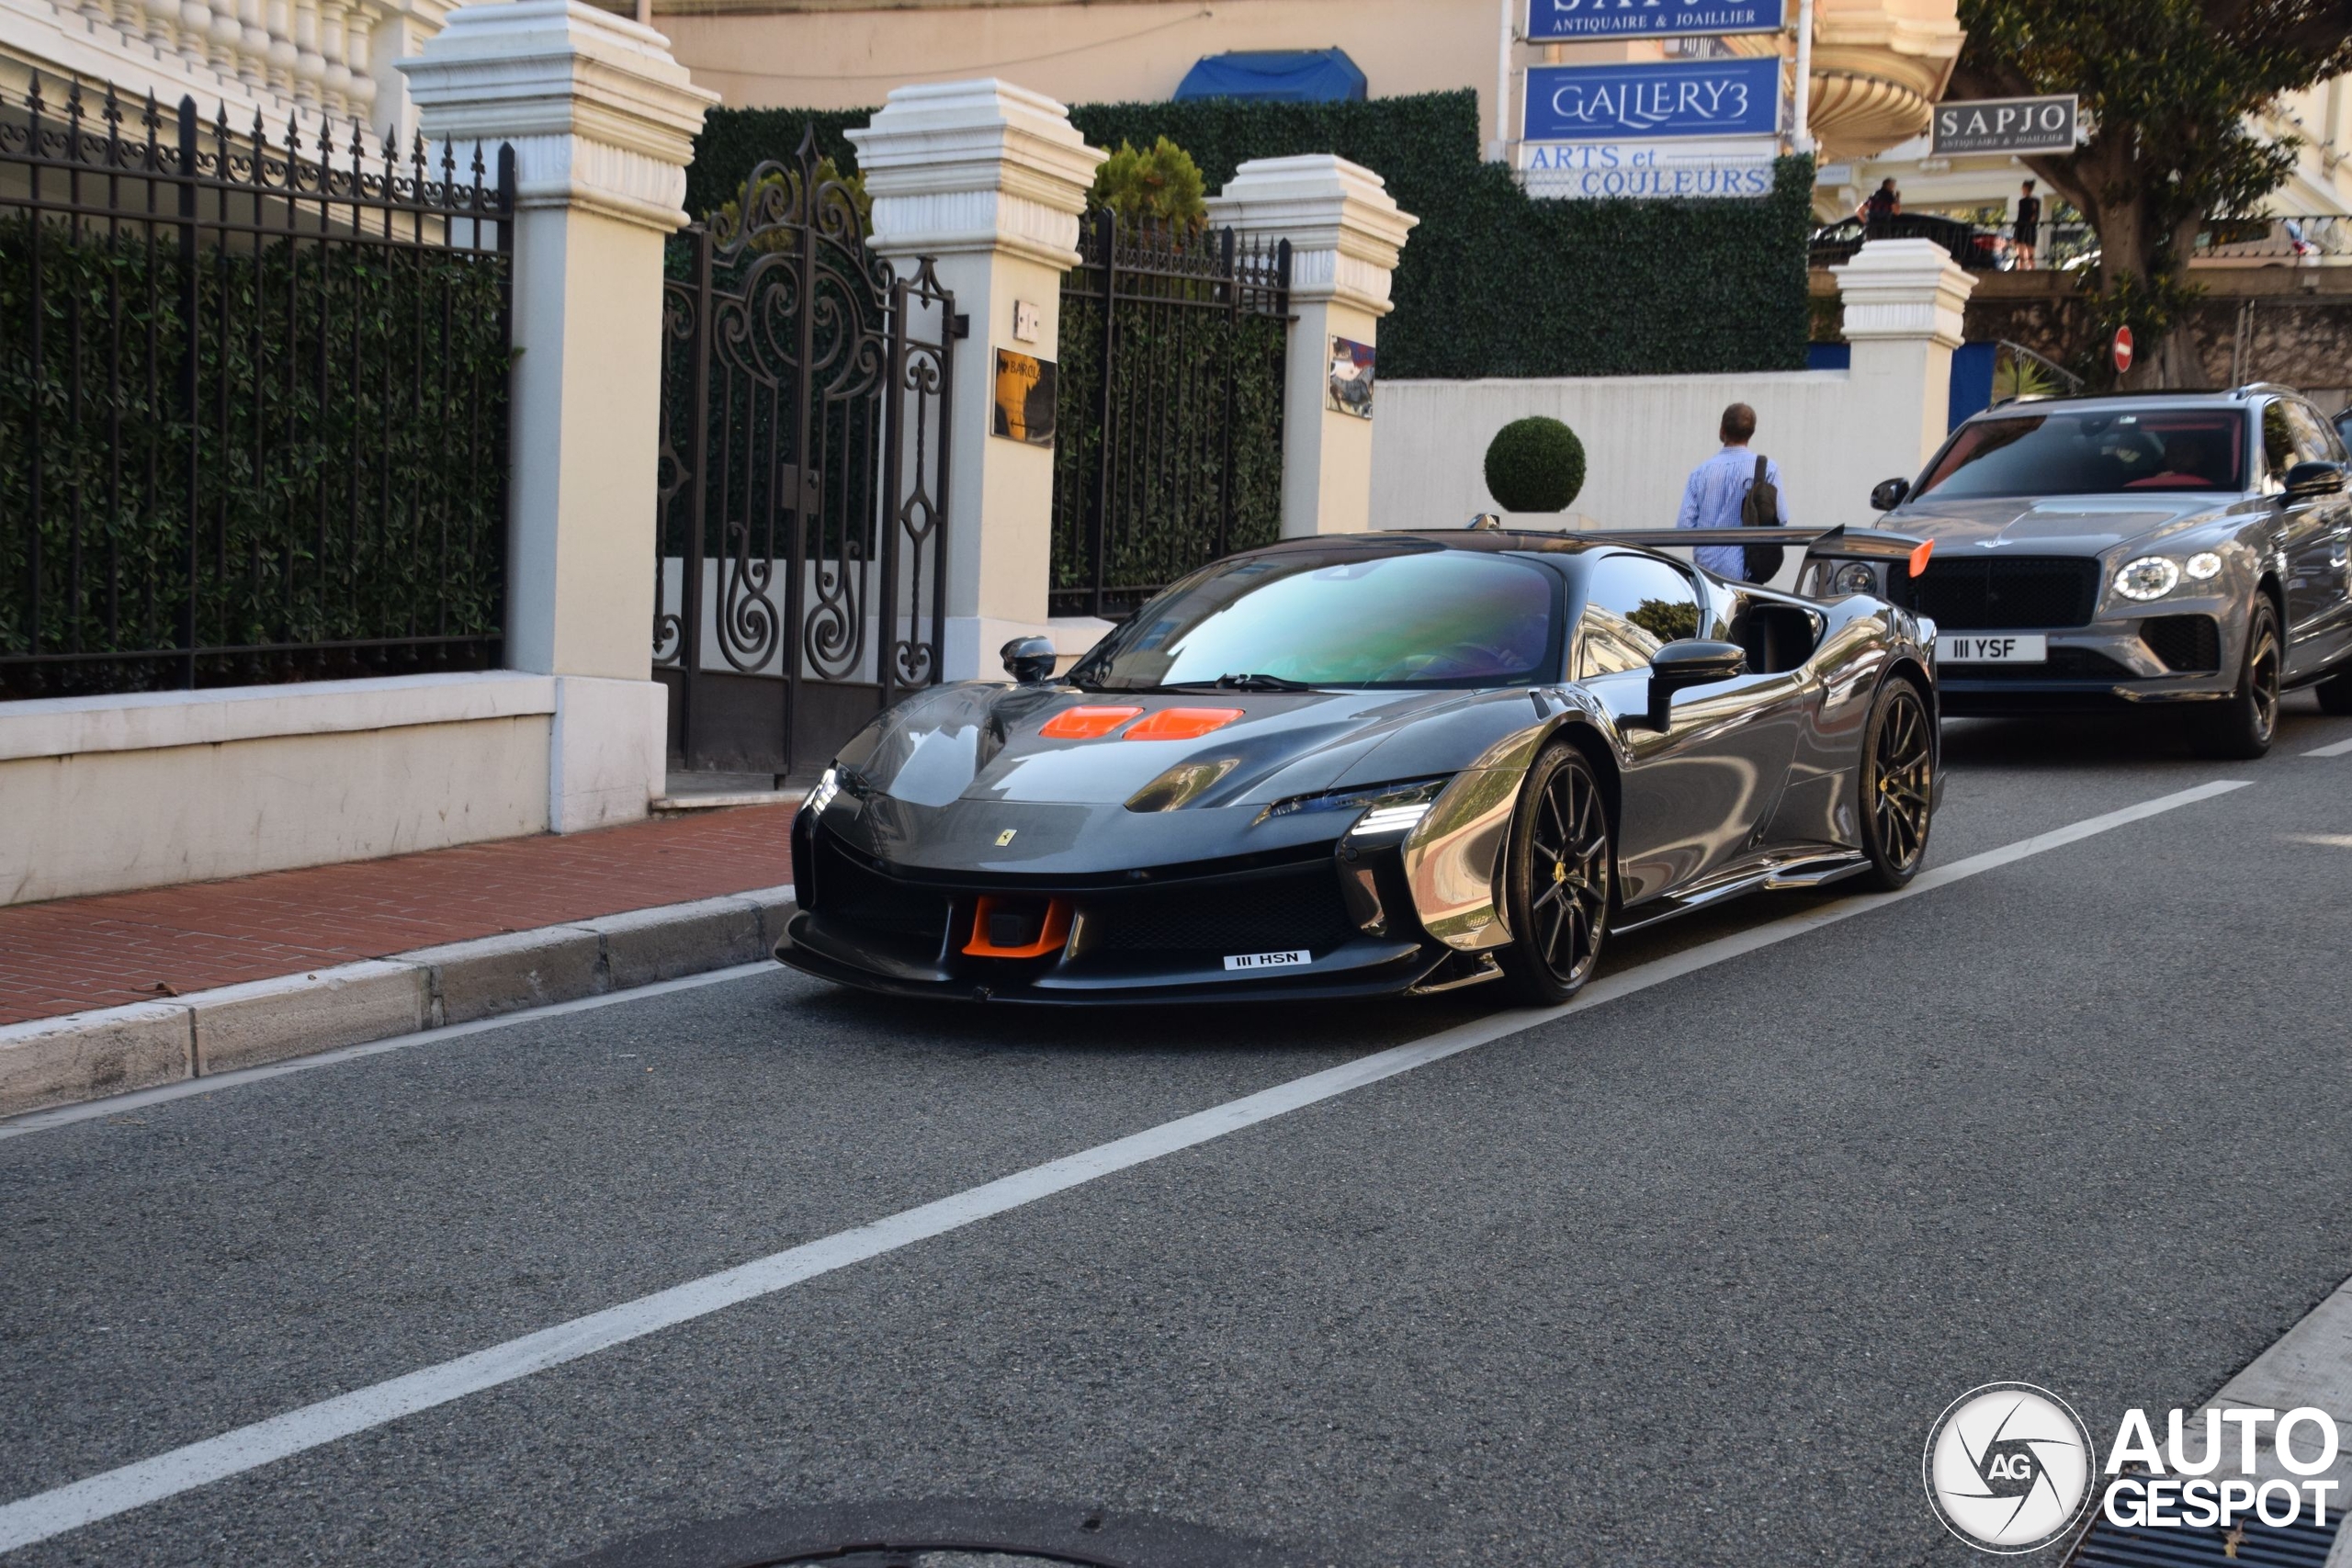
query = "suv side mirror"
x=1030 y=659
x=1887 y=494
x=2305 y=481
x=1693 y=661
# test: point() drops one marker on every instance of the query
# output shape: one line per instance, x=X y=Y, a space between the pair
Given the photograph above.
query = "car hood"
x=940 y=779
x=2067 y=526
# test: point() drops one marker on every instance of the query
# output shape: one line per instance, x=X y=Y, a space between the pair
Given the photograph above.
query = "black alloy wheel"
x=1898 y=785
x=1562 y=875
x=2240 y=726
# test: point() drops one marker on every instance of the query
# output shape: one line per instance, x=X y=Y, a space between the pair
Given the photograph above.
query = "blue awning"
x=1276 y=75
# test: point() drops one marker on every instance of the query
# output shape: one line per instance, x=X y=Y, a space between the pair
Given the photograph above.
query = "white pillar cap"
x=962 y=166
x=1345 y=229
x=599 y=115
x=1904 y=289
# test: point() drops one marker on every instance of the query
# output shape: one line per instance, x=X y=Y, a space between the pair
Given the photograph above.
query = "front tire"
x=2335 y=694
x=1560 y=879
x=1898 y=785
x=2240 y=727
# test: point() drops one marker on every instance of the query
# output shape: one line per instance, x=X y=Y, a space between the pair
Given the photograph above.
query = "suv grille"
x=2189 y=645
x=1294 y=907
x=2003 y=595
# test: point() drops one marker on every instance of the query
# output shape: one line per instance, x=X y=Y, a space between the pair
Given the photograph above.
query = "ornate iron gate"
x=804 y=476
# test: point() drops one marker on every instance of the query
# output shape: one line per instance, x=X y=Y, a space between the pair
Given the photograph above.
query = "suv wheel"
x=2241 y=726
x=2335 y=691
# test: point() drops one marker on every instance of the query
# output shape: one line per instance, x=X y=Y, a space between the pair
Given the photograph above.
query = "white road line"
x=248 y=1447
x=114 y=1105
x=2336 y=749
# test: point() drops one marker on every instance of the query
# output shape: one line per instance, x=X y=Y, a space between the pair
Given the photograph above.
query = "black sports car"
x=1376 y=764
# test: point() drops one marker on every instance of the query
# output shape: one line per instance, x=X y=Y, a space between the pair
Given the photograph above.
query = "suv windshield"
x=2094 y=453
x=1341 y=617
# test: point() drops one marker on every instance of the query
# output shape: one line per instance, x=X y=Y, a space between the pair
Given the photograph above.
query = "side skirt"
x=1803 y=871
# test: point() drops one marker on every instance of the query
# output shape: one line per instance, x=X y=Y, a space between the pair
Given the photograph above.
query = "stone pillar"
x=989 y=179
x=1345 y=232
x=602 y=122
x=1903 y=302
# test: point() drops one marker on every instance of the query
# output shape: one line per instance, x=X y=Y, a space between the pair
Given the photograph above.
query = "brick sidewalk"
x=75 y=953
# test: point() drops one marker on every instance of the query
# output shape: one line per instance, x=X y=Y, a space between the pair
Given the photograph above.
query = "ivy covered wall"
x=1492 y=282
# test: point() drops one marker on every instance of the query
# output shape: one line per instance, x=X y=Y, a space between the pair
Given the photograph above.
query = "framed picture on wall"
x=1025 y=402
x=1350 y=380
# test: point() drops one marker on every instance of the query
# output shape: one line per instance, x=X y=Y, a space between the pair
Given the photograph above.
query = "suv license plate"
x=1968 y=648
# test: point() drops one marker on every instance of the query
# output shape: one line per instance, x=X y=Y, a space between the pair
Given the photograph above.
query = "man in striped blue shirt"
x=1712 y=498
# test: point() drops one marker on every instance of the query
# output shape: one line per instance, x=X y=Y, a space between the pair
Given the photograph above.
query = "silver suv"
x=2176 y=550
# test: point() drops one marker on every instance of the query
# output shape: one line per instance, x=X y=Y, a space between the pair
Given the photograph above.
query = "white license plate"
x=1267 y=960
x=1969 y=648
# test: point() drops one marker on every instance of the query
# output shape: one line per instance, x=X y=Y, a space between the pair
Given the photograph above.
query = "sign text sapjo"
x=1553 y=19
x=2006 y=125
x=1620 y=103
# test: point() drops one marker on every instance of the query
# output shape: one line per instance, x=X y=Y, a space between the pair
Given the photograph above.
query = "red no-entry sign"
x=2122 y=349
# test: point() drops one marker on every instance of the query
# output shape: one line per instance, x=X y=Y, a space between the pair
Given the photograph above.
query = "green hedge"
x=1492 y=282
x=345 y=493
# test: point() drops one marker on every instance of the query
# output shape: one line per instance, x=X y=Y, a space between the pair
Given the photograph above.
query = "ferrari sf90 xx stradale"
x=1393 y=763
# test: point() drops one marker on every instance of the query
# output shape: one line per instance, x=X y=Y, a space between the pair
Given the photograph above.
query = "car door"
x=1697 y=793
x=2318 y=530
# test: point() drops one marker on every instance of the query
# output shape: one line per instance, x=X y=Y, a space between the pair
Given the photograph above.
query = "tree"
x=2168 y=86
x=1162 y=185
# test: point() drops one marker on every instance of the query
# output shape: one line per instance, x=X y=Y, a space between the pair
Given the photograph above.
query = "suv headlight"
x=1854 y=577
x=2149 y=577
x=2204 y=564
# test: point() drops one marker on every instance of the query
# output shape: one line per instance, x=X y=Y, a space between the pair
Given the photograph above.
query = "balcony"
x=282 y=61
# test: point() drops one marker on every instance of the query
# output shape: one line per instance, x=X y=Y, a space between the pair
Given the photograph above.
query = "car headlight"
x=2204 y=564
x=1385 y=808
x=2149 y=577
x=1854 y=577
x=828 y=786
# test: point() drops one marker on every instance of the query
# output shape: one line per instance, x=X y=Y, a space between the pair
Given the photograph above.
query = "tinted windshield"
x=2094 y=453
x=1435 y=617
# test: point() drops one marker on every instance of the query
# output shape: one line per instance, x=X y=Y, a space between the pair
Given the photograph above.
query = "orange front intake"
x=1182 y=724
x=1084 y=723
x=1052 y=931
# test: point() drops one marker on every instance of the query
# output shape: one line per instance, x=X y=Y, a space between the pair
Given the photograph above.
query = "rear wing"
x=1838 y=544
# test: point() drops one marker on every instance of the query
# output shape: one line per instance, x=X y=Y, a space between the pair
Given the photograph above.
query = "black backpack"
x=1761 y=508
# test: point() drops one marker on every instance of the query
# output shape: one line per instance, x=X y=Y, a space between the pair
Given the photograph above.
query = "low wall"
x=103 y=793
x=1643 y=435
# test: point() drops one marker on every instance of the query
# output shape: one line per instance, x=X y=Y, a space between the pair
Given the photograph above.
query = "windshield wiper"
x=1245 y=683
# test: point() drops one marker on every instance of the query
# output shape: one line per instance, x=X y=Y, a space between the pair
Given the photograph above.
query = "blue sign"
x=1550 y=21
x=1625 y=103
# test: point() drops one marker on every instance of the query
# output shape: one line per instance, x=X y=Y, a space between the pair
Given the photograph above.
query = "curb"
x=48 y=1061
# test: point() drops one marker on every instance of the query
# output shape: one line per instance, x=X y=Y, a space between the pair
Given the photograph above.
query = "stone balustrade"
x=287 y=59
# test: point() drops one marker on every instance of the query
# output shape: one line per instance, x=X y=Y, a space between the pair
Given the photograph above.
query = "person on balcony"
x=2028 y=224
x=1879 y=209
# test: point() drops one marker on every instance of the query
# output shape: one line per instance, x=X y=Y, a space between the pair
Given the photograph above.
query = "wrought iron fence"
x=253 y=402
x=1169 y=449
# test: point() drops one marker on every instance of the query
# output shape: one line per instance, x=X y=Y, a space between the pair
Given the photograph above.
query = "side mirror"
x=1030 y=659
x=1887 y=494
x=1693 y=661
x=2305 y=481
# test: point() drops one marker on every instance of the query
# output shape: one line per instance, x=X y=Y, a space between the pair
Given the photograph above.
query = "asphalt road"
x=1681 y=1278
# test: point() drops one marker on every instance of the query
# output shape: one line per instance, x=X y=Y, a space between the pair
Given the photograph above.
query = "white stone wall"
x=1643 y=435
x=109 y=793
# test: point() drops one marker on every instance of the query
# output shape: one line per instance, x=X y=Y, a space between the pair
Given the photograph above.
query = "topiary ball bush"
x=1535 y=465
